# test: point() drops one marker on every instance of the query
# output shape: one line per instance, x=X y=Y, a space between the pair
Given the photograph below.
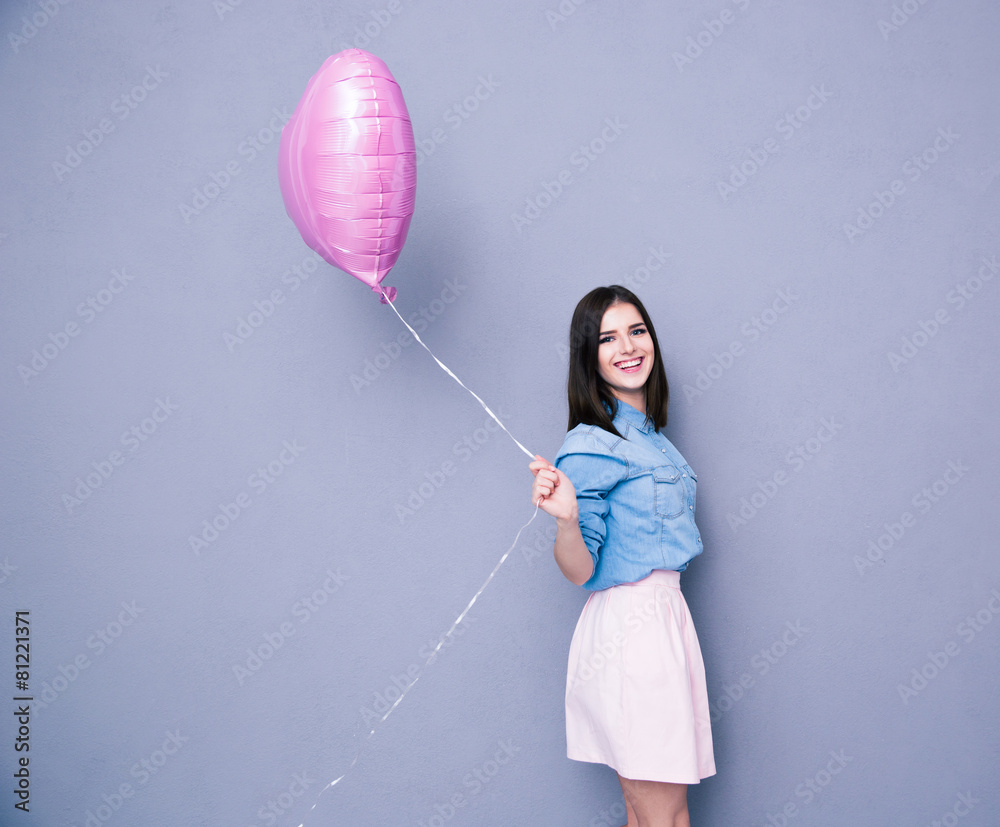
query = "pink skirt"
x=636 y=697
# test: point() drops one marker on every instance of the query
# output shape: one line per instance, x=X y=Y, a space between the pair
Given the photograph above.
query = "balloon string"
x=386 y=297
x=386 y=300
x=427 y=662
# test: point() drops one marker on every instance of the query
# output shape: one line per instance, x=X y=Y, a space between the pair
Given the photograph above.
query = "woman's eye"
x=604 y=339
x=639 y=331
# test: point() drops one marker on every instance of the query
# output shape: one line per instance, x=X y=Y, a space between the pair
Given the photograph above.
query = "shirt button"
x=685 y=475
x=691 y=507
x=664 y=450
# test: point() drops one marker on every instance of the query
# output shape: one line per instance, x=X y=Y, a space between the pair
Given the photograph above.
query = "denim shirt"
x=636 y=499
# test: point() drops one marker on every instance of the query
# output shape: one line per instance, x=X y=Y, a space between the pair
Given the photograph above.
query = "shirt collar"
x=632 y=416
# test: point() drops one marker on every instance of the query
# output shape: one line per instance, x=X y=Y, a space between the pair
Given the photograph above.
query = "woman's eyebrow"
x=610 y=332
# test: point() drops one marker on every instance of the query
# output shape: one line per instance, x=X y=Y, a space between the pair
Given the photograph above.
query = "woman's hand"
x=552 y=491
x=554 y=494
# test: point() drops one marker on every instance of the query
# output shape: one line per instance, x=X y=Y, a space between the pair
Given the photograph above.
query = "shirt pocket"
x=693 y=477
x=668 y=492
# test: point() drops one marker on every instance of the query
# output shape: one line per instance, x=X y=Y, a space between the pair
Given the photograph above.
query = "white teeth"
x=631 y=364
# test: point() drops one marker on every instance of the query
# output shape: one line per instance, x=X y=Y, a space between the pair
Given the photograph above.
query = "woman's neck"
x=637 y=401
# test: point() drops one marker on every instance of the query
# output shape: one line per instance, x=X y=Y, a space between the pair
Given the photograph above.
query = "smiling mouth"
x=630 y=366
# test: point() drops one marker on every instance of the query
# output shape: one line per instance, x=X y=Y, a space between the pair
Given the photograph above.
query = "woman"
x=623 y=498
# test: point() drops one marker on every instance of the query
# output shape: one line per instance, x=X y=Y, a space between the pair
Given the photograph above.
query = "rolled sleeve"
x=593 y=472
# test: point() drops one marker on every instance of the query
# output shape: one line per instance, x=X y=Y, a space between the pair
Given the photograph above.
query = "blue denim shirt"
x=636 y=499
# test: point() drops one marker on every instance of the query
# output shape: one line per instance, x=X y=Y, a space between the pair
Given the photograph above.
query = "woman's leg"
x=632 y=820
x=655 y=803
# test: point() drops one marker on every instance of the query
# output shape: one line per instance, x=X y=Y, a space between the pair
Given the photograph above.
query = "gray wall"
x=804 y=195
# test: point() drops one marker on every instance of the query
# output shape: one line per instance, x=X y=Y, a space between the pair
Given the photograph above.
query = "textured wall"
x=805 y=197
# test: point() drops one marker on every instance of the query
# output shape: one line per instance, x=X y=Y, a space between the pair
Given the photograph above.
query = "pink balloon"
x=348 y=166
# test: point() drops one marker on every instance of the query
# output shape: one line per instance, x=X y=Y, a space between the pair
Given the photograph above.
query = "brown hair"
x=586 y=390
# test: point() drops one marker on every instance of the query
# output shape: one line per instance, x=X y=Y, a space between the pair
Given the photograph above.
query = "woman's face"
x=625 y=354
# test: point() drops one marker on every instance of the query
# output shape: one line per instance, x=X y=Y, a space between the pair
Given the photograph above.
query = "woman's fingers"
x=546 y=473
x=546 y=479
x=546 y=483
x=542 y=488
x=539 y=463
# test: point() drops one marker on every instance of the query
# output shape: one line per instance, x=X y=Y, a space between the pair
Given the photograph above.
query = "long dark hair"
x=588 y=393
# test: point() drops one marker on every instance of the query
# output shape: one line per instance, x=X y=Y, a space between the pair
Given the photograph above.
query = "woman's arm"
x=571 y=553
x=553 y=492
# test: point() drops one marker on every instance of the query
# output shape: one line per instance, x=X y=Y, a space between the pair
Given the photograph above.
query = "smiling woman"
x=623 y=498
